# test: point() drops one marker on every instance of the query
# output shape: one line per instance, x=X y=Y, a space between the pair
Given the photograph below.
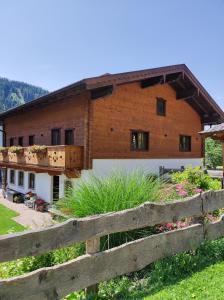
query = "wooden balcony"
x=55 y=160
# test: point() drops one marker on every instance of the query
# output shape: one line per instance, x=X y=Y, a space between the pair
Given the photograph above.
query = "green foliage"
x=116 y=192
x=196 y=177
x=14 y=93
x=213 y=153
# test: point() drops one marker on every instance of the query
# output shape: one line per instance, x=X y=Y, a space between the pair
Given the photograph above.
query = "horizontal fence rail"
x=92 y=268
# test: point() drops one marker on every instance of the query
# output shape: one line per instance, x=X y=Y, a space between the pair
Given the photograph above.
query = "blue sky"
x=52 y=43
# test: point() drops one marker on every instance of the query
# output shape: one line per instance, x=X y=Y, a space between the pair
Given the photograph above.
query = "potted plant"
x=40 y=205
x=18 y=198
x=16 y=149
x=38 y=149
x=4 y=150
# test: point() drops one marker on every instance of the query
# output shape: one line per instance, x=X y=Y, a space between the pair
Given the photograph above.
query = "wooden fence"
x=55 y=282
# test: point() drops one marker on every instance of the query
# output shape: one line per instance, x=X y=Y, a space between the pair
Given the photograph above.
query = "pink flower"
x=182 y=193
x=198 y=190
x=179 y=187
x=169 y=226
x=181 y=224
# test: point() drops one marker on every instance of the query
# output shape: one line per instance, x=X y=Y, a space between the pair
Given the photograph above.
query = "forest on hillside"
x=14 y=93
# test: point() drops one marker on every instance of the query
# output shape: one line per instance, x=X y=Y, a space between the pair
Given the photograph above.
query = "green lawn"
x=207 y=284
x=7 y=225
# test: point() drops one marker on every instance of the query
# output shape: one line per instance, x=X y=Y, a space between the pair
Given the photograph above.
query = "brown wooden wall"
x=68 y=113
x=110 y=123
x=131 y=107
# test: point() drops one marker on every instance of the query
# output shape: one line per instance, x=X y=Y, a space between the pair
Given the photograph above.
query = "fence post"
x=92 y=246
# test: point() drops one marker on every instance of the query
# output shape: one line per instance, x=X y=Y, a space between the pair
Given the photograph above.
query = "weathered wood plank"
x=92 y=247
x=56 y=282
x=212 y=200
x=79 y=230
x=214 y=230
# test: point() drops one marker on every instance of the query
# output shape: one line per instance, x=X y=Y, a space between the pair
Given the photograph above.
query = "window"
x=55 y=136
x=31 y=181
x=12 y=176
x=69 y=137
x=161 y=107
x=11 y=142
x=20 y=178
x=31 y=140
x=139 y=140
x=20 y=141
x=185 y=143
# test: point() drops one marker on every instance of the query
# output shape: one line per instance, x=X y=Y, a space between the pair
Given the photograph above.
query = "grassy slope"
x=207 y=284
x=8 y=225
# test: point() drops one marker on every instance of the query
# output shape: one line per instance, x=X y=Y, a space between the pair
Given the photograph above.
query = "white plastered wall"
x=43 y=185
x=102 y=167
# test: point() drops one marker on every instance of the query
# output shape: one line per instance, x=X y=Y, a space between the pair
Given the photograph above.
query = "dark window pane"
x=161 y=107
x=31 y=181
x=21 y=178
x=139 y=140
x=69 y=137
x=12 y=176
x=11 y=142
x=55 y=137
x=31 y=140
x=20 y=141
x=185 y=143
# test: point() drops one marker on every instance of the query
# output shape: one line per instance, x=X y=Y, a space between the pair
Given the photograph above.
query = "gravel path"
x=27 y=216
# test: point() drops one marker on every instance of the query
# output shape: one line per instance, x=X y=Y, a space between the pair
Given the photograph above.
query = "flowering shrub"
x=196 y=178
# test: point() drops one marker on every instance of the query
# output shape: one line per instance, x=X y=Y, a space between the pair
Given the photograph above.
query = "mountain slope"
x=14 y=93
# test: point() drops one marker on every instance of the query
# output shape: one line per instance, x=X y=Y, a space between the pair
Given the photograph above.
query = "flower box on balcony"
x=38 y=149
x=4 y=150
x=16 y=149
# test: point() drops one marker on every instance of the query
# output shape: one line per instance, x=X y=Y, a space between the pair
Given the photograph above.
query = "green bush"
x=213 y=153
x=196 y=177
x=116 y=192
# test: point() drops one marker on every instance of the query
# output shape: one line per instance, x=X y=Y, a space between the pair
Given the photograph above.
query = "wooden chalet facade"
x=142 y=119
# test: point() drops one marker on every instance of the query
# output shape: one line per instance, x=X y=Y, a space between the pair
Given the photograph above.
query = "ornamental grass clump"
x=116 y=192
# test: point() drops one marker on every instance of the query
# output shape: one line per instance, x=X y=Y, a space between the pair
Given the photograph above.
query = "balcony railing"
x=55 y=157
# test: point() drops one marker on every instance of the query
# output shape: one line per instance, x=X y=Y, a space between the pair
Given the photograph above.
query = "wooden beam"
x=78 y=230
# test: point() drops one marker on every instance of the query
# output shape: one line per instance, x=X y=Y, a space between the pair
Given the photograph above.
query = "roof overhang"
x=215 y=132
x=179 y=77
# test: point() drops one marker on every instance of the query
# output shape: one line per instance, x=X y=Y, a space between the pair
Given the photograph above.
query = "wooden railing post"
x=92 y=247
